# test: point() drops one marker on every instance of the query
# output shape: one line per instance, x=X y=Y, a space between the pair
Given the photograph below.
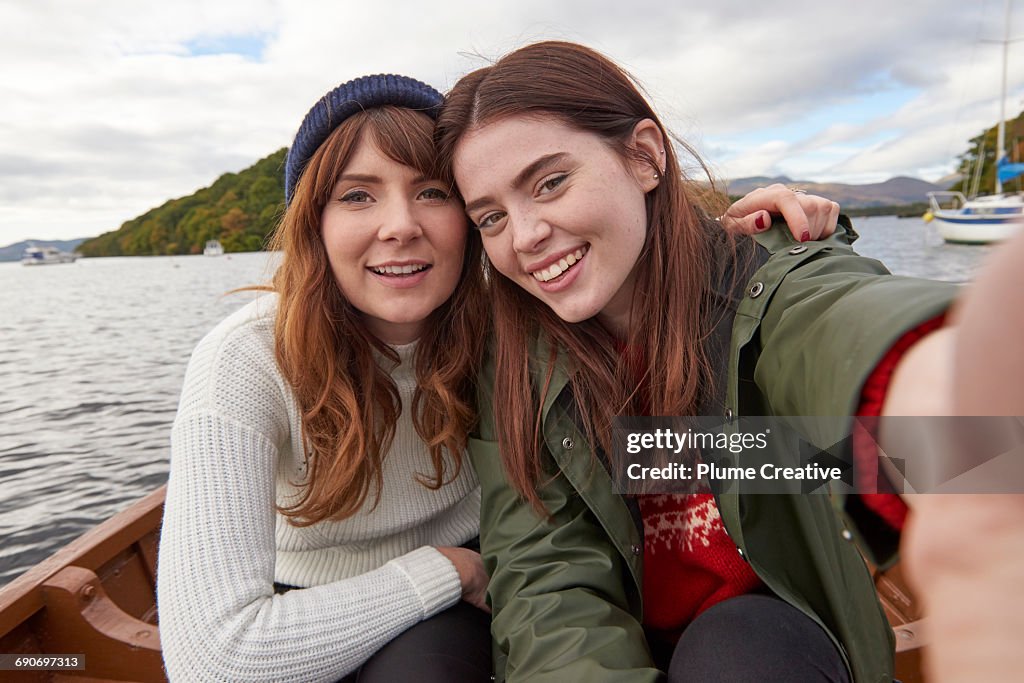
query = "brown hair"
x=667 y=372
x=349 y=403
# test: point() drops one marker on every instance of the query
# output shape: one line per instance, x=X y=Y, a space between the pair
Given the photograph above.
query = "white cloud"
x=107 y=112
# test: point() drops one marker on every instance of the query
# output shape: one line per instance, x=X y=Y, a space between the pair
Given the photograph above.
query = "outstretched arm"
x=965 y=553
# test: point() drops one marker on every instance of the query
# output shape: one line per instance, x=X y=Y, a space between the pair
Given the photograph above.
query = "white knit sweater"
x=236 y=451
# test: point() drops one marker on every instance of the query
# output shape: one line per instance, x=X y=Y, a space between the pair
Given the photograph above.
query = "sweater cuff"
x=433 y=577
x=885 y=505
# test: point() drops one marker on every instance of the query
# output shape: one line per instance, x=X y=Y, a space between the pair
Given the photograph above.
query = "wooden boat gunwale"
x=94 y=597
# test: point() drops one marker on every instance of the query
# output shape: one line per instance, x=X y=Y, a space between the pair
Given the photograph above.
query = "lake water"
x=92 y=357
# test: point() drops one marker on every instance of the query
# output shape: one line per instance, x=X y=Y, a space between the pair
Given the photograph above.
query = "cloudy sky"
x=110 y=107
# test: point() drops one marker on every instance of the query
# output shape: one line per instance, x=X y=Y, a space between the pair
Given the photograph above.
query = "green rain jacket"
x=801 y=338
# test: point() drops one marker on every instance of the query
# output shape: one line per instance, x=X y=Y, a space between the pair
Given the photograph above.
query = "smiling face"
x=395 y=241
x=561 y=213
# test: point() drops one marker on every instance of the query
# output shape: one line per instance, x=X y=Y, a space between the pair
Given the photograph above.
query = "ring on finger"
x=797 y=190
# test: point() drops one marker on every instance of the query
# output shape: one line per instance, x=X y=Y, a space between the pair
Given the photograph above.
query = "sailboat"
x=989 y=218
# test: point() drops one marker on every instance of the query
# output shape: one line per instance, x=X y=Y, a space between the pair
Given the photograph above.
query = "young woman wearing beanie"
x=319 y=441
x=615 y=294
x=319 y=501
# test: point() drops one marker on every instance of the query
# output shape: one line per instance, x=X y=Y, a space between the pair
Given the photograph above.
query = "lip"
x=407 y=262
x=555 y=258
x=565 y=280
x=404 y=282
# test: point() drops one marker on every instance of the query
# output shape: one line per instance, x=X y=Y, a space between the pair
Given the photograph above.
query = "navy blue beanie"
x=344 y=101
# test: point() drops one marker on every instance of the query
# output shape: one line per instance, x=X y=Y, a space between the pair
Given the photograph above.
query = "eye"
x=355 y=197
x=551 y=184
x=434 y=194
x=489 y=220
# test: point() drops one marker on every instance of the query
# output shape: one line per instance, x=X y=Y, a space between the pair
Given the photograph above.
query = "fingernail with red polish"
x=759 y=221
x=806 y=236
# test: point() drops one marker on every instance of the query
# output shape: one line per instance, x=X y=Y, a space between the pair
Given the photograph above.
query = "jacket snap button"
x=567 y=443
x=636 y=549
x=755 y=290
x=799 y=249
x=847 y=535
x=740 y=551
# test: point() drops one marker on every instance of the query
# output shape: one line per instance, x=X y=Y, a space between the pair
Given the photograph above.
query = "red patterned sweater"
x=691 y=563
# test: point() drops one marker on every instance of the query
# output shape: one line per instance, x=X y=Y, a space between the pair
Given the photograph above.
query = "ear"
x=648 y=141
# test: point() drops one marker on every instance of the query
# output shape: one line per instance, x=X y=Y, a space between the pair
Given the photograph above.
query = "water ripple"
x=91 y=366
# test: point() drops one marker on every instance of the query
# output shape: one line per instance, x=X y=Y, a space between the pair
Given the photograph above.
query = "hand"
x=808 y=216
x=472 y=576
x=964 y=554
x=964 y=557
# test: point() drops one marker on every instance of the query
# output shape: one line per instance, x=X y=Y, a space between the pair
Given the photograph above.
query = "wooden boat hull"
x=97 y=598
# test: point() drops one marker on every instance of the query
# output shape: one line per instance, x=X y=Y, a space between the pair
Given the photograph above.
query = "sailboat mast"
x=1001 y=129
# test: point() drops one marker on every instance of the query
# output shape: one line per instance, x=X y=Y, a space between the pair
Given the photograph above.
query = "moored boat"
x=42 y=256
x=989 y=218
x=981 y=220
x=213 y=248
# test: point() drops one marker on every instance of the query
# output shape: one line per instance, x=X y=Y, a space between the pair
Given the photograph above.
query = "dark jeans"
x=449 y=647
x=755 y=638
x=454 y=646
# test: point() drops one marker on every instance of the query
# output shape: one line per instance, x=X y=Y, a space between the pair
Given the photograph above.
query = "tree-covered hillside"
x=242 y=209
x=984 y=145
x=239 y=209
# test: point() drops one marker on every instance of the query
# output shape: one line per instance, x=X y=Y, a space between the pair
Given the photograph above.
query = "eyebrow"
x=358 y=178
x=368 y=178
x=531 y=169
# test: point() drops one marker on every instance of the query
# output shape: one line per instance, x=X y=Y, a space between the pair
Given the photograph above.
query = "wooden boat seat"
x=80 y=617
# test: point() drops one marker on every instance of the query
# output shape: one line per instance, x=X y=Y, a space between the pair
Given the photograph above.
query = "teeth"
x=563 y=264
x=398 y=270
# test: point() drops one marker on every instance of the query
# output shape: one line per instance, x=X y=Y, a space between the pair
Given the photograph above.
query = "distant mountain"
x=13 y=252
x=897 y=191
x=239 y=209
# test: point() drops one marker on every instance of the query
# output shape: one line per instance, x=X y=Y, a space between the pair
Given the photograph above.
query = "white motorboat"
x=213 y=248
x=43 y=256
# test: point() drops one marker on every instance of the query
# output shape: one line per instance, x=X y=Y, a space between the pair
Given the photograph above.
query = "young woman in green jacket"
x=614 y=294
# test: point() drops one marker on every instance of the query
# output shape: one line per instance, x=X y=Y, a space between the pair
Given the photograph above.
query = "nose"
x=529 y=232
x=400 y=222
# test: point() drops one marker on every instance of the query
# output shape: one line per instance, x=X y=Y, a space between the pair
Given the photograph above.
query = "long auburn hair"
x=667 y=369
x=349 y=404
